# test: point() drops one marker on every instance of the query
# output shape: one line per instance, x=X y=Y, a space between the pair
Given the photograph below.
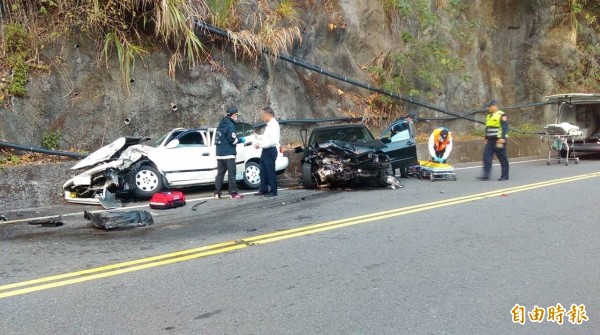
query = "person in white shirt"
x=268 y=142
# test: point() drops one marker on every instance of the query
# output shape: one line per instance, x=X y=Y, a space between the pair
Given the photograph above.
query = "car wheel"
x=308 y=181
x=146 y=181
x=252 y=175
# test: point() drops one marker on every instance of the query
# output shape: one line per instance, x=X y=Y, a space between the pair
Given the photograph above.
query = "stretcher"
x=432 y=170
x=560 y=138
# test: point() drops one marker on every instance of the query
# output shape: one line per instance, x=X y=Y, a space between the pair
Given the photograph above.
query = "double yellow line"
x=184 y=255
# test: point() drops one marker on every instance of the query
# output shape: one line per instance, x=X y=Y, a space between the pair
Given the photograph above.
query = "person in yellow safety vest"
x=440 y=145
x=496 y=131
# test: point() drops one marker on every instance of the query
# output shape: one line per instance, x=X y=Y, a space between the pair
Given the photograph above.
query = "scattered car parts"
x=55 y=221
x=119 y=219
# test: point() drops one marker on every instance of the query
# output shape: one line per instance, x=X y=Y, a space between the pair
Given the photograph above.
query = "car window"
x=191 y=138
x=243 y=129
x=399 y=132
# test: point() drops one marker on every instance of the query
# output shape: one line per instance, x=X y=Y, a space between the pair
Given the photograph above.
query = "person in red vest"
x=440 y=145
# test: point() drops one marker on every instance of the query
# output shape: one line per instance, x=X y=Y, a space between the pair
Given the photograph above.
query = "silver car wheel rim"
x=146 y=180
x=253 y=174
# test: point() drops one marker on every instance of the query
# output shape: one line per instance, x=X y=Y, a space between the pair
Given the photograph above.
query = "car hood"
x=351 y=148
x=107 y=152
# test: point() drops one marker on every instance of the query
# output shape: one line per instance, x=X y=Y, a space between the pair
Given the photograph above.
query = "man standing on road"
x=440 y=145
x=268 y=142
x=226 y=140
x=496 y=130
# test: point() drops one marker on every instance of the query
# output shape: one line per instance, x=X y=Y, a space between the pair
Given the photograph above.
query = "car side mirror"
x=298 y=150
x=172 y=144
x=386 y=140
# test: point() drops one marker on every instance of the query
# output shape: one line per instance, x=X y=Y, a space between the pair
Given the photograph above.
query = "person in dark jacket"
x=226 y=140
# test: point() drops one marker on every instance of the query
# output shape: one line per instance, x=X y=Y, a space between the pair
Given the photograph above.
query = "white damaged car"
x=180 y=158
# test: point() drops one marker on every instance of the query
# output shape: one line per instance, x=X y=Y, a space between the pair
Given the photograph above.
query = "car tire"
x=308 y=181
x=403 y=172
x=146 y=181
x=252 y=175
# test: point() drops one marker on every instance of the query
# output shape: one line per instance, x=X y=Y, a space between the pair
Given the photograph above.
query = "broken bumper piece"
x=107 y=199
x=119 y=219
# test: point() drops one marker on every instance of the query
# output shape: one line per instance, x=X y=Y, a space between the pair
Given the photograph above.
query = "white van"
x=582 y=110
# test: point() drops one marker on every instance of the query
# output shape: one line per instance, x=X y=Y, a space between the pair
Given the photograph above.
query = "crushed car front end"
x=99 y=184
x=336 y=163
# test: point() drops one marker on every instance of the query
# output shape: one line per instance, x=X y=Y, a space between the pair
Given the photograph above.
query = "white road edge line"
x=115 y=209
x=497 y=164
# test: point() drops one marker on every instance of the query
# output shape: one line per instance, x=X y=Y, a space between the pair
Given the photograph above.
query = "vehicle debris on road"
x=119 y=219
x=195 y=207
x=55 y=221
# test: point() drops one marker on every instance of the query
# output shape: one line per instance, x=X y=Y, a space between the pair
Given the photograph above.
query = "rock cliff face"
x=518 y=52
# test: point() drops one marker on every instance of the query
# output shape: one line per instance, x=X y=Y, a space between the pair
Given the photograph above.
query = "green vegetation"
x=419 y=65
x=16 y=54
x=584 y=22
x=130 y=29
x=50 y=139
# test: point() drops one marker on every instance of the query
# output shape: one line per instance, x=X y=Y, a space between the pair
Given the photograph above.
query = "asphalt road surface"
x=432 y=258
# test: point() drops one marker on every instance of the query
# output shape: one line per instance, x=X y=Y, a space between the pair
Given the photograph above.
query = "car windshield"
x=159 y=141
x=347 y=134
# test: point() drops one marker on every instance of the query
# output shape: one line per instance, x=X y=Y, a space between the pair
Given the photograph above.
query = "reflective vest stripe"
x=493 y=124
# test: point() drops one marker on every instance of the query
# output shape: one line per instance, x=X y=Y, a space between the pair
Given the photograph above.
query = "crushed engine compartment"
x=338 y=163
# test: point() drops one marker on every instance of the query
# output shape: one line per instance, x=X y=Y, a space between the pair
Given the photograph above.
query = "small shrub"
x=15 y=160
x=50 y=139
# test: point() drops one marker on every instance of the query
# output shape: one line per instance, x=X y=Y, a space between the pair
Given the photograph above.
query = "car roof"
x=574 y=97
x=342 y=126
x=188 y=129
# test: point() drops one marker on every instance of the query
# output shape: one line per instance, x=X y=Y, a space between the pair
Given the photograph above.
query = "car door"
x=187 y=161
x=401 y=144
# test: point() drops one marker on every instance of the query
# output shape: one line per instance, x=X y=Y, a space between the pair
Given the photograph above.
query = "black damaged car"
x=349 y=154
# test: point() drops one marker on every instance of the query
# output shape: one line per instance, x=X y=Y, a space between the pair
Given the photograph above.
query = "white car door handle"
x=205 y=154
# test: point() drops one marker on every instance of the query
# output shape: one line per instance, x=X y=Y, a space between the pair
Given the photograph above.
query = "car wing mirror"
x=386 y=140
x=298 y=150
x=172 y=144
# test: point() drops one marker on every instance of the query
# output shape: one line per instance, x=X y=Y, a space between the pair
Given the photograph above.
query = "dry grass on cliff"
x=131 y=29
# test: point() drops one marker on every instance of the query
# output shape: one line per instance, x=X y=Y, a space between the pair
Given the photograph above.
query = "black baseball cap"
x=444 y=134
x=232 y=110
x=492 y=102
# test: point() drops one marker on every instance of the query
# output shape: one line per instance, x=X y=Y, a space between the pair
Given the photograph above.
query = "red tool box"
x=165 y=200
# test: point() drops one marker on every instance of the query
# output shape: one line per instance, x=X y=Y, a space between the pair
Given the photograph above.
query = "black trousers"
x=223 y=166
x=268 y=175
x=488 y=155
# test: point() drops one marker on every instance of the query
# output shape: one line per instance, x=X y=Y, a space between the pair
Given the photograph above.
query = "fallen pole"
x=315 y=68
x=41 y=150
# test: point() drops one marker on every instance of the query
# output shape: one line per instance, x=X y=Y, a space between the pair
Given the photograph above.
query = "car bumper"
x=72 y=198
x=586 y=147
x=281 y=163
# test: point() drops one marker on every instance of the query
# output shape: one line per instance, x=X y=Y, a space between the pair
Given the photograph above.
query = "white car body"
x=183 y=157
